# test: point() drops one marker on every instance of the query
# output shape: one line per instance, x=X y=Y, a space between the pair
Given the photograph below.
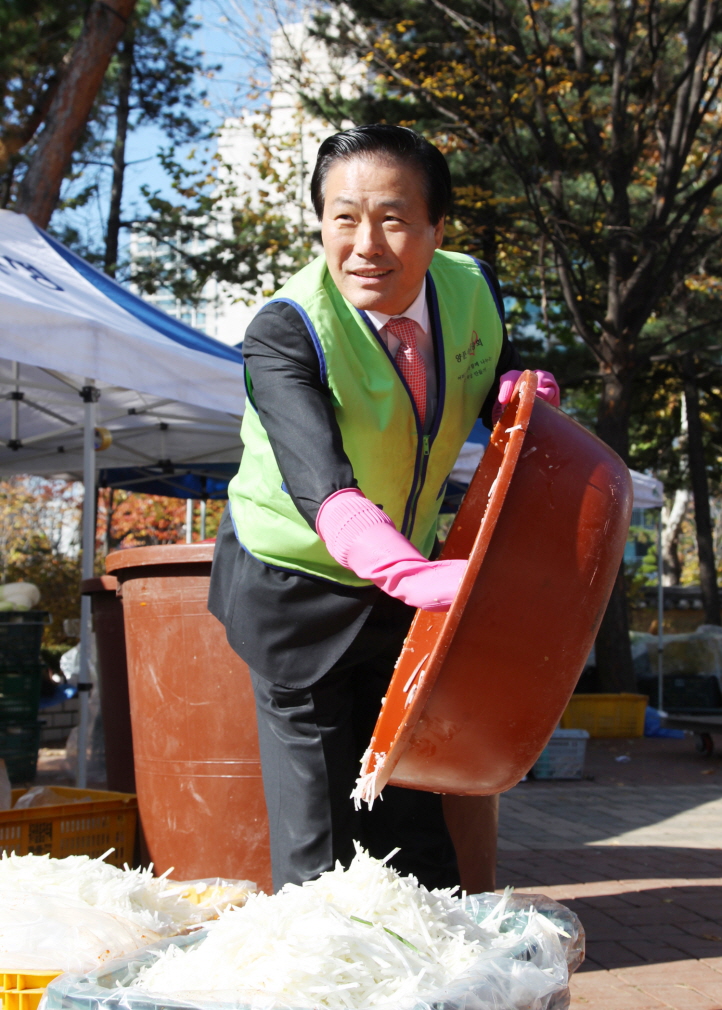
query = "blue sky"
x=226 y=96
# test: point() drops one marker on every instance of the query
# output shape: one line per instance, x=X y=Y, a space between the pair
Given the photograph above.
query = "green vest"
x=395 y=464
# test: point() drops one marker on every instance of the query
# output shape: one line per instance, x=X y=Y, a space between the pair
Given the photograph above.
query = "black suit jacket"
x=291 y=628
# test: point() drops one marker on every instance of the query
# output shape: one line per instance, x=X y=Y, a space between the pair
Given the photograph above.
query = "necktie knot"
x=404 y=329
x=409 y=360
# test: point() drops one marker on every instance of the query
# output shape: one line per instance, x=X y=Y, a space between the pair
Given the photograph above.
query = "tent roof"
x=147 y=430
x=171 y=396
x=648 y=491
x=61 y=313
x=195 y=480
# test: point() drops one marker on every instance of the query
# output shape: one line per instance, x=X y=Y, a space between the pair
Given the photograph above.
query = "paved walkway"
x=547 y=816
x=642 y=867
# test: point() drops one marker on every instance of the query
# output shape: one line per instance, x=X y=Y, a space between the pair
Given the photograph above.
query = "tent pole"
x=189 y=520
x=90 y=396
x=660 y=617
x=16 y=397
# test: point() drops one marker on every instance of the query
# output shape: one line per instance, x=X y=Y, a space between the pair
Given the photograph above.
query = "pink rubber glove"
x=547 y=390
x=361 y=537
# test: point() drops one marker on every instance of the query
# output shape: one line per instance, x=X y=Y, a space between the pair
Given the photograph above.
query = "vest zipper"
x=424 y=443
x=425 y=446
x=417 y=483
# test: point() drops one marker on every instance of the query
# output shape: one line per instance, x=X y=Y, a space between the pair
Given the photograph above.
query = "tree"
x=605 y=118
x=35 y=37
x=154 y=82
x=237 y=232
x=700 y=491
x=683 y=441
x=127 y=519
x=71 y=103
x=39 y=543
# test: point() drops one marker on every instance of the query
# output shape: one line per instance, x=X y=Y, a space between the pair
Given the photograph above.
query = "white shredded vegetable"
x=365 y=789
x=152 y=903
x=352 y=938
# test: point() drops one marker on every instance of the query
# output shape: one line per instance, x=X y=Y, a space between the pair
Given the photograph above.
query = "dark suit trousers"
x=312 y=740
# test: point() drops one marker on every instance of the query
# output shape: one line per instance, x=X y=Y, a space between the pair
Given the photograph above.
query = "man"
x=365 y=374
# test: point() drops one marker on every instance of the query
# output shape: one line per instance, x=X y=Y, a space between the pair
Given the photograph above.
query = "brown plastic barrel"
x=113 y=676
x=197 y=767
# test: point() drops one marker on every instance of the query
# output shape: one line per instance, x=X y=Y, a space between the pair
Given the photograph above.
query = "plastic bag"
x=47 y=934
x=95 y=750
x=43 y=796
x=517 y=905
x=212 y=894
x=527 y=969
x=653 y=725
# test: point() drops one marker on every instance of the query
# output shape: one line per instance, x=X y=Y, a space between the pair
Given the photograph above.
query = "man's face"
x=376 y=232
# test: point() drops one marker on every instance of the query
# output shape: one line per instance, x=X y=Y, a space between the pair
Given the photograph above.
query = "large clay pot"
x=109 y=630
x=197 y=767
x=477 y=692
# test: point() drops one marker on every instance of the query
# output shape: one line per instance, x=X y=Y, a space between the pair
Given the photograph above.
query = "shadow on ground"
x=544 y=815
x=638 y=905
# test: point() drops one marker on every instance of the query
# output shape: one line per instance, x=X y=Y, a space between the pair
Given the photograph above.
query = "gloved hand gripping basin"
x=478 y=691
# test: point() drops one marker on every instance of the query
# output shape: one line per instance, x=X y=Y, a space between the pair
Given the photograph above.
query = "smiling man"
x=365 y=375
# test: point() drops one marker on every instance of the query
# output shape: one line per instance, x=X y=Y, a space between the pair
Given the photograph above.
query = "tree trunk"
x=700 y=492
x=70 y=108
x=615 y=669
x=125 y=80
x=672 y=520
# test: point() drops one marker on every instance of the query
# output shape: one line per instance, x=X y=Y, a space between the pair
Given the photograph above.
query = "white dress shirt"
x=418 y=311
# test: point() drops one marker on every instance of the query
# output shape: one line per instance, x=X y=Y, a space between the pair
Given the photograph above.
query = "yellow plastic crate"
x=24 y=990
x=606 y=715
x=90 y=823
x=22 y=999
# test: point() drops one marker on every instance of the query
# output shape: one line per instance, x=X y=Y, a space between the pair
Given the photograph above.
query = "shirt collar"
x=418 y=311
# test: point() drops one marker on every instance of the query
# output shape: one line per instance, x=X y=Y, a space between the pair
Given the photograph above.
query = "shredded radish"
x=152 y=903
x=352 y=938
x=365 y=789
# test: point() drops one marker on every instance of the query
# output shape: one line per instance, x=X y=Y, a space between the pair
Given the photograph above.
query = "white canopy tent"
x=84 y=362
x=648 y=491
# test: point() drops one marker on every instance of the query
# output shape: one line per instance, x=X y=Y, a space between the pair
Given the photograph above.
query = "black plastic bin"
x=683 y=691
x=19 y=745
x=21 y=634
x=19 y=692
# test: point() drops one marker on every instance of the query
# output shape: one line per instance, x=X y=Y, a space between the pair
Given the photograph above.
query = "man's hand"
x=360 y=536
x=547 y=389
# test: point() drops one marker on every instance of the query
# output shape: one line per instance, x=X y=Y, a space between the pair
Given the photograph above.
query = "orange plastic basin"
x=477 y=692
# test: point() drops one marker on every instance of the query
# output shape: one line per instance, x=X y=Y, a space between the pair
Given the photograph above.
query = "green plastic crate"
x=19 y=692
x=21 y=633
x=19 y=745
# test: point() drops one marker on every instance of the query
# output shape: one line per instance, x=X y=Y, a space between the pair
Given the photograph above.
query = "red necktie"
x=409 y=360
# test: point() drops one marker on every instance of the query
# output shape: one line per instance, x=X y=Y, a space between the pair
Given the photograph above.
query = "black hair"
x=393 y=142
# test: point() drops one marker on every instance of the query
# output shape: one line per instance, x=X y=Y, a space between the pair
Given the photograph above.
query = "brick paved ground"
x=642 y=867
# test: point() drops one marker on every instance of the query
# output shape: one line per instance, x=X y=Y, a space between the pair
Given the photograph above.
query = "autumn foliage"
x=40 y=536
x=140 y=520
